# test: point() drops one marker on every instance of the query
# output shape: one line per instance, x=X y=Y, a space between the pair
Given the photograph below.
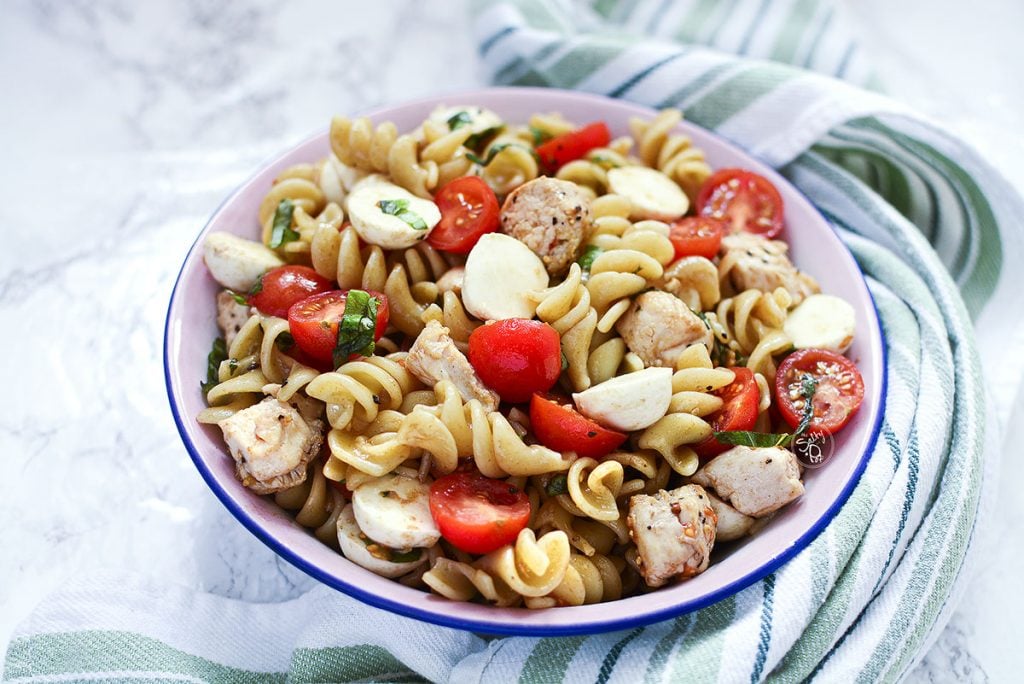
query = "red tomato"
x=745 y=200
x=469 y=209
x=516 y=357
x=477 y=514
x=739 y=412
x=697 y=236
x=573 y=145
x=562 y=428
x=837 y=396
x=286 y=285
x=313 y=323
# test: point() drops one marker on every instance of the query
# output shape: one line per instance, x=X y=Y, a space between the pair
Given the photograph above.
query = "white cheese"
x=356 y=549
x=387 y=230
x=821 y=322
x=235 y=262
x=501 y=275
x=395 y=511
x=628 y=402
x=652 y=194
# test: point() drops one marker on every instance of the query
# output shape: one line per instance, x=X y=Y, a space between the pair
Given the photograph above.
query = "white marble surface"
x=123 y=127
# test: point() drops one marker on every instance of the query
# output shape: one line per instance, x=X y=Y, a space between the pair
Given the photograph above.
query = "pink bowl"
x=815 y=248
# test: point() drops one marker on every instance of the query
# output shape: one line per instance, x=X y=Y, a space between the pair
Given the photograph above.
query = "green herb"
x=257 y=287
x=603 y=161
x=559 y=484
x=808 y=386
x=356 y=328
x=239 y=299
x=218 y=354
x=474 y=141
x=405 y=556
x=494 y=151
x=399 y=208
x=458 y=120
x=565 y=362
x=539 y=137
x=282 y=231
x=586 y=259
x=386 y=493
x=285 y=341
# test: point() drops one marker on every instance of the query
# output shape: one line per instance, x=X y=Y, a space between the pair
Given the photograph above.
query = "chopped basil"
x=559 y=484
x=458 y=120
x=218 y=353
x=282 y=231
x=357 y=326
x=257 y=287
x=405 y=556
x=399 y=208
x=603 y=161
x=474 y=141
x=565 y=362
x=493 y=152
x=240 y=299
x=586 y=259
x=285 y=341
x=808 y=385
x=539 y=137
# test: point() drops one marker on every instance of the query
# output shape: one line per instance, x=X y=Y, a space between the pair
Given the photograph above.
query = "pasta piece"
x=357 y=391
x=749 y=327
x=594 y=487
x=671 y=153
x=316 y=505
x=358 y=144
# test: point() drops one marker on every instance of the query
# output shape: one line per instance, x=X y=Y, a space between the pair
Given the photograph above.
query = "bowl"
x=815 y=248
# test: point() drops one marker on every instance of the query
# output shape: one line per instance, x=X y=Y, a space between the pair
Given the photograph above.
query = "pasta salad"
x=525 y=364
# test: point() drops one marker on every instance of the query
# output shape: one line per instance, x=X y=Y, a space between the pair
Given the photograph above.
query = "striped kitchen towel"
x=929 y=223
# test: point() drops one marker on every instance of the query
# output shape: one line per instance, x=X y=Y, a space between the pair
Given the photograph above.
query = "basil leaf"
x=565 y=362
x=218 y=353
x=257 y=287
x=458 y=120
x=356 y=328
x=808 y=386
x=475 y=141
x=240 y=299
x=494 y=151
x=399 y=208
x=586 y=259
x=539 y=137
x=282 y=231
x=559 y=484
x=753 y=439
x=603 y=161
x=405 y=556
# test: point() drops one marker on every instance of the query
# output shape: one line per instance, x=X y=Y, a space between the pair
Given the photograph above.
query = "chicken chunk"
x=434 y=357
x=674 y=533
x=750 y=261
x=271 y=445
x=549 y=216
x=731 y=523
x=756 y=481
x=658 y=326
x=231 y=315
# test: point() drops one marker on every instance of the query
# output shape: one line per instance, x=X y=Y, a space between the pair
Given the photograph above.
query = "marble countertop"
x=126 y=124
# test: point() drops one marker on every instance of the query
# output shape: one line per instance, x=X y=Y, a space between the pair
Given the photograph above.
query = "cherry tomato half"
x=516 y=357
x=469 y=209
x=697 y=236
x=573 y=145
x=562 y=428
x=743 y=199
x=838 y=393
x=477 y=514
x=739 y=412
x=313 y=323
x=283 y=286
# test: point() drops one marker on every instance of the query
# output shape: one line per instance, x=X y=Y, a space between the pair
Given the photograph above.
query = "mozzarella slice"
x=395 y=511
x=480 y=119
x=821 y=322
x=628 y=402
x=235 y=262
x=355 y=548
x=501 y=274
x=652 y=194
x=387 y=230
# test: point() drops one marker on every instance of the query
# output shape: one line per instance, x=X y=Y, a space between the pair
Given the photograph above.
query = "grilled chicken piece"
x=674 y=533
x=658 y=326
x=434 y=357
x=231 y=315
x=755 y=481
x=750 y=261
x=549 y=216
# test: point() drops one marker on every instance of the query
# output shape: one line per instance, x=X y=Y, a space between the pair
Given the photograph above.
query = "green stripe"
x=549 y=660
x=702 y=658
x=791 y=35
x=542 y=15
x=608 y=665
x=659 y=656
x=679 y=97
x=581 y=61
x=890 y=179
x=94 y=651
x=696 y=19
x=737 y=93
x=347 y=663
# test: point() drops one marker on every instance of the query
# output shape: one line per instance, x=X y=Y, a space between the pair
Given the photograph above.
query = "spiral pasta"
x=750 y=326
x=671 y=153
x=359 y=144
x=316 y=505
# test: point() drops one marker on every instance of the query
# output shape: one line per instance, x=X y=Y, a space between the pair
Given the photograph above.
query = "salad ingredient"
x=731 y=523
x=477 y=514
x=281 y=229
x=469 y=209
x=516 y=357
x=838 y=393
x=231 y=315
x=501 y=274
x=369 y=554
x=697 y=236
x=755 y=481
x=387 y=215
x=562 y=428
x=658 y=327
x=573 y=145
x=280 y=288
x=551 y=217
x=821 y=322
x=753 y=262
x=674 y=533
x=235 y=262
x=628 y=402
x=434 y=357
x=394 y=510
x=316 y=321
x=653 y=195
x=748 y=202
x=738 y=412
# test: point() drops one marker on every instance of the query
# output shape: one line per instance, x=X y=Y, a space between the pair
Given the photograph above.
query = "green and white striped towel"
x=928 y=221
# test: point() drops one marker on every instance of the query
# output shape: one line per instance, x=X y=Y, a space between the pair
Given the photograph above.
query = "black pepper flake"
x=591 y=434
x=767 y=461
x=376 y=399
x=554 y=220
x=649 y=527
